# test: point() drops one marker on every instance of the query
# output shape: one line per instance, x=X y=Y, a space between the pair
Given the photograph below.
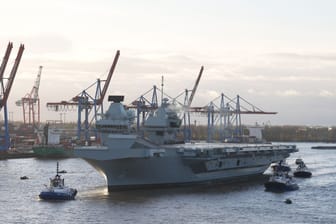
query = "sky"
x=278 y=55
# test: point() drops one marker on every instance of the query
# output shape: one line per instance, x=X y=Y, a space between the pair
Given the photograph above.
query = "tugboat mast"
x=162 y=80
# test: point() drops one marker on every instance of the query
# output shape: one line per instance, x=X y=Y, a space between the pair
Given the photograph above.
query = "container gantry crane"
x=228 y=114
x=30 y=103
x=144 y=105
x=5 y=90
x=86 y=103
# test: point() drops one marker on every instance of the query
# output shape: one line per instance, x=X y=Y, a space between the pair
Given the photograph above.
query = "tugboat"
x=280 y=180
x=57 y=190
x=302 y=170
x=280 y=166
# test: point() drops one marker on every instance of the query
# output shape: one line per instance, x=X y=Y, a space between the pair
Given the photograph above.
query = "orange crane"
x=30 y=103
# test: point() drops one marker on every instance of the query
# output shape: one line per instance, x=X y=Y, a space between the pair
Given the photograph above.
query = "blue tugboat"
x=57 y=190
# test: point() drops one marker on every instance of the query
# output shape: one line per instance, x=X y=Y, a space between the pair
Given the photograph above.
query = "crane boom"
x=5 y=59
x=34 y=91
x=12 y=76
x=107 y=82
x=98 y=101
x=195 y=87
x=205 y=110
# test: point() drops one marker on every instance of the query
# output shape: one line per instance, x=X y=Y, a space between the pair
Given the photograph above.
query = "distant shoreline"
x=300 y=134
x=16 y=155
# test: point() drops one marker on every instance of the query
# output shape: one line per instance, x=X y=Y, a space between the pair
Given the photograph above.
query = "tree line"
x=299 y=134
x=285 y=133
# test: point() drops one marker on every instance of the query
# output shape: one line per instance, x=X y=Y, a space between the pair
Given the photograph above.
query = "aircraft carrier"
x=155 y=158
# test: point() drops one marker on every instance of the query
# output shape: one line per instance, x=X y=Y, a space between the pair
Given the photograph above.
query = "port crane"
x=6 y=85
x=148 y=102
x=227 y=112
x=187 y=104
x=85 y=103
x=30 y=103
x=143 y=104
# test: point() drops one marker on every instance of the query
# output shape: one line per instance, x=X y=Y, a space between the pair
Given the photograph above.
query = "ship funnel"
x=116 y=99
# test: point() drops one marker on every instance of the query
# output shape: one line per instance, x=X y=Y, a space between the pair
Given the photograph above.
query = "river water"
x=244 y=202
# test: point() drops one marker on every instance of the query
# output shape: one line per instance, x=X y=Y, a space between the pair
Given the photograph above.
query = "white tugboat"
x=57 y=190
x=280 y=180
x=157 y=159
x=280 y=166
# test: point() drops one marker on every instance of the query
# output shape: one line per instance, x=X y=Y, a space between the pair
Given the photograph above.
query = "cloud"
x=326 y=93
x=257 y=92
x=289 y=92
x=47 y=43
x=312 y=56
x=212 y=94
x=262 y=80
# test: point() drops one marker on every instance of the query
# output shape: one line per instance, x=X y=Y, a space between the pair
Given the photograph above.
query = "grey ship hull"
x=175 y=165
x=126 y=174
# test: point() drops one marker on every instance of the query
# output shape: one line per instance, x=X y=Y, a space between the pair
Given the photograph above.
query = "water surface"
x=245 y=202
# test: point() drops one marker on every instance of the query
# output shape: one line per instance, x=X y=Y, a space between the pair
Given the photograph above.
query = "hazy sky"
x=279 y=55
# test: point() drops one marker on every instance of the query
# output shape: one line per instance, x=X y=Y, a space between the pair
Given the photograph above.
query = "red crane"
x=30 y=103
x=5 y=90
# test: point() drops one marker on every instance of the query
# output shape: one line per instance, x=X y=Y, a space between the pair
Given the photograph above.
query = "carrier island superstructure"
x=155 y=158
